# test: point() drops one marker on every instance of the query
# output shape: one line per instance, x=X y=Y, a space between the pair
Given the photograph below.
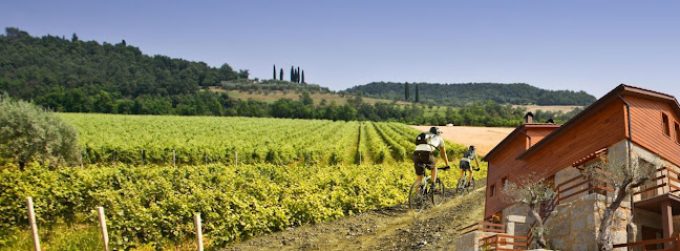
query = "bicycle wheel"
x=472 y=185
x=416 y=197
x=439 y=194
x=459 y=186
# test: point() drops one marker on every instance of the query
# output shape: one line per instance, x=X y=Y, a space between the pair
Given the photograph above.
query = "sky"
x=576 y=45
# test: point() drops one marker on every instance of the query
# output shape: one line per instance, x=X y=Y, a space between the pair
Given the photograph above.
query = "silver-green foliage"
x=28 y=133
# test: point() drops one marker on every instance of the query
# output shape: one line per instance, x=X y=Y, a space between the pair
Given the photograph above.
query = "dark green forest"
x=72 y=75
x=86 y=76
x=462 y=94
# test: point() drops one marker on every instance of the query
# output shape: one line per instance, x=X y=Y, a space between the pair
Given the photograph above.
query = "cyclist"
x=468 y=156
x=424 y=155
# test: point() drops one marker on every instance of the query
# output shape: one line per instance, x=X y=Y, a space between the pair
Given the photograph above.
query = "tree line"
x=461 y=94
x=486 y=113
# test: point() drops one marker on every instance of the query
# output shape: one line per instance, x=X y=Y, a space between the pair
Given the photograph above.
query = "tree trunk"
x=604 y=239
x=542 y=243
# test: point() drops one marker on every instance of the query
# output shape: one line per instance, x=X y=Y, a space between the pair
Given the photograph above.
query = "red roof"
x=615 y=94
x=514 y=133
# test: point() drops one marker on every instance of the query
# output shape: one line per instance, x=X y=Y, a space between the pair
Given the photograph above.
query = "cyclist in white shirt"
x=424 y=154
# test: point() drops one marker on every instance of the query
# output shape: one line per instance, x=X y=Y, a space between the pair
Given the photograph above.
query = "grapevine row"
x=155 y=204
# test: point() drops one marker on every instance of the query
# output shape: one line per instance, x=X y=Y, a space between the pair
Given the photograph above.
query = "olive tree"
x=622 y=176
x=29 y=133
x=533 y=192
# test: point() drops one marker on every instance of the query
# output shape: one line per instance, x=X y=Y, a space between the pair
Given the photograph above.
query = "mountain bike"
x=423 y=196
x=463 y=187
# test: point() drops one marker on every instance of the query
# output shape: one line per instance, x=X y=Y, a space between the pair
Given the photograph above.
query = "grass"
x=60 y=237
x=75 y=238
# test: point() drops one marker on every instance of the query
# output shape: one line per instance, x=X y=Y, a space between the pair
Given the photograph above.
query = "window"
x=677 y=132
x=492 y=189
x=504 y=182
x=666 y=125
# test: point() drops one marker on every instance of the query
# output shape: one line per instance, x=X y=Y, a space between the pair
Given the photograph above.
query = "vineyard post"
x=143 y=157
x=236 y=157
x=199 y=231
x=34 y=226
x=359 y=144
x=102 y=225
x=173 y=157
x=80 y=159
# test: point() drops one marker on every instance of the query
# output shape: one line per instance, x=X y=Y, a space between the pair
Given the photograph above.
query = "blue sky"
x=578 y=45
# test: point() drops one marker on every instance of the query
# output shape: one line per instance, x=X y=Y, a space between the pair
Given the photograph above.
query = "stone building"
x=628 y=124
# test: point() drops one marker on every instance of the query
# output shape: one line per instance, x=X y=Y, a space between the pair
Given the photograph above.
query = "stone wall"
x=470 y=241
x=516 y=220
x=565 y=175
x=574 y=225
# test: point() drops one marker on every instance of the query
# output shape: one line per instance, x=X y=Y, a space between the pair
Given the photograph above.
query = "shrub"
x=28 y=133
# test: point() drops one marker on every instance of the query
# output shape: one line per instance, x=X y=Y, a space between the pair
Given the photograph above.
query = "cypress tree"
x=303 y=76
x=417 y=94
x=297 y=75
x=292 y=74
x=274 y=72
x=406 y=91
x=281 y=74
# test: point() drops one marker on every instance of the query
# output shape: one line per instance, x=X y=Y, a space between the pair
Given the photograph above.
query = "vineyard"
x=245 y=176
x=155 y=204
x=204 y=140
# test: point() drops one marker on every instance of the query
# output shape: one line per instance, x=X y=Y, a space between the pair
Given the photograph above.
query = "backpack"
x=421 y=139
x=468 y=154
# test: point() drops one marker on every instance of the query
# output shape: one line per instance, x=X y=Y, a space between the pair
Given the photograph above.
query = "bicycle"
x=422 y=196
x=463 y=186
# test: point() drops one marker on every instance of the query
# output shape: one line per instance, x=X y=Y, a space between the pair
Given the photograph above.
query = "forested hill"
x=460 y=94
x=51 y=68
x=72 y=75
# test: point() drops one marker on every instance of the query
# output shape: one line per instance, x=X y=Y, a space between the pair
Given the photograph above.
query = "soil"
x=396 y=228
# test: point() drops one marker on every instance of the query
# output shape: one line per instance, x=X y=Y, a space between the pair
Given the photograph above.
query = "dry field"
x=549 y=108
x=273 y=96
x=484 y=138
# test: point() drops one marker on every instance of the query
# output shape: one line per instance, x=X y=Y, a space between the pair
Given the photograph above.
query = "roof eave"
x=513 y=134
x=613 y=94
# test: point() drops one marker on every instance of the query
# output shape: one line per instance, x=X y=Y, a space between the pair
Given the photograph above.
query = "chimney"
x=529 y=118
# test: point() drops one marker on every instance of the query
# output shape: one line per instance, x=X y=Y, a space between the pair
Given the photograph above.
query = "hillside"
x=461 y=94
x=40 y=68
x=71 y=75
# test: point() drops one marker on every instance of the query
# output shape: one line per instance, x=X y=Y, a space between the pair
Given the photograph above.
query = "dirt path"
x=484 y=138
x=391 y=229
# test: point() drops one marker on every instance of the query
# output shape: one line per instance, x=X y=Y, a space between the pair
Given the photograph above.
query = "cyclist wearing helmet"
x=424 y=155
x=468 y=156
